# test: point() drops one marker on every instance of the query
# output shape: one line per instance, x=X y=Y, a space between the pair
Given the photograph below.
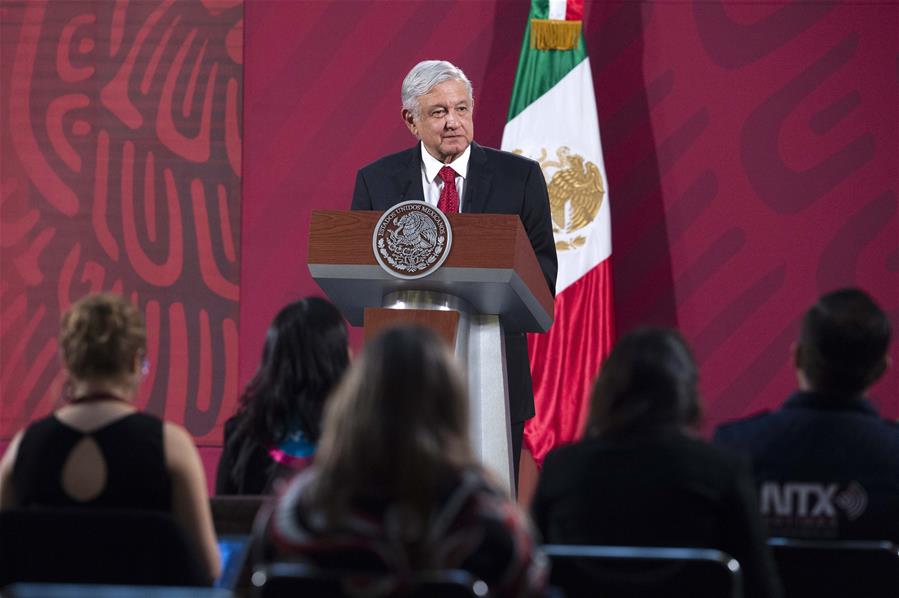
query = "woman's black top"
x=132 y=447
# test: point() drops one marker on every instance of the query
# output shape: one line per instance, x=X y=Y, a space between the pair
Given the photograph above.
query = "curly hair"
x=101 y=336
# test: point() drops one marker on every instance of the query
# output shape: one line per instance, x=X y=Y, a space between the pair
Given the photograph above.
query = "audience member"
x=98 y=451
x=395 y=487
x=639 y=478
x=826 y=463
x=278 y=423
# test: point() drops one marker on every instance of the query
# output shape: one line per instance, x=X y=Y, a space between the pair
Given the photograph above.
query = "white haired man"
x=449 y=170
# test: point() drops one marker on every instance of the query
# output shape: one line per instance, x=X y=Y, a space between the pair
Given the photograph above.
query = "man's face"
x=444 y=123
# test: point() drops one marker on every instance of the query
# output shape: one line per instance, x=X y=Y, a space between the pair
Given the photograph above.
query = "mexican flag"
x=552 y=119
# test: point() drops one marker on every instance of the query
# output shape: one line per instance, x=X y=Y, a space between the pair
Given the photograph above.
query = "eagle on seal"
x=415 y=230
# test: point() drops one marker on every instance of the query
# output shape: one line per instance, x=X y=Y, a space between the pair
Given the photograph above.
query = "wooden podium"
x=490 y=283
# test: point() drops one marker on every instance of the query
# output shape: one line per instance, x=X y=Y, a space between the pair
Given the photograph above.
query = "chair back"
x=637 y=571
x=243 y=518
x=277 y=580
x=235 y=514
x=73 y=590
x=837 y=568
x=102 y=546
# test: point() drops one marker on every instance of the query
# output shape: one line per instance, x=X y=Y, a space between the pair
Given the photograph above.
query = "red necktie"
x=449 y=196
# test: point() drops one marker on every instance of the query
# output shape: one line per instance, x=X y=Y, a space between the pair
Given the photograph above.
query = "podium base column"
x=480 y=347
x=489 y=398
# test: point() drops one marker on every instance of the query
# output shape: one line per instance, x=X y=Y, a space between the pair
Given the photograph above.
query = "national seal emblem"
x=411 y=240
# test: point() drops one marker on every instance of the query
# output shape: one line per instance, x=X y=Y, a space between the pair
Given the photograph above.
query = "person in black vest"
x=640 y=477
x=826 y=463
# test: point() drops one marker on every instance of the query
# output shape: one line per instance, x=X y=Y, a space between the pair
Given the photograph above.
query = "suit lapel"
x=408 y=179
x=477 y=187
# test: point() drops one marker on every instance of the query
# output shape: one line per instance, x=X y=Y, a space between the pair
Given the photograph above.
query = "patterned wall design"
x=751 y=150
x=121 y=160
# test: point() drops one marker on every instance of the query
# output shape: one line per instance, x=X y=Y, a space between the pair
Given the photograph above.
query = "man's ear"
x=409 y=119
x=879 y=370
x=801 y=380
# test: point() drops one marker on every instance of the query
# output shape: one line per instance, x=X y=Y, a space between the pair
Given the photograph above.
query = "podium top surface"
x=491 y=266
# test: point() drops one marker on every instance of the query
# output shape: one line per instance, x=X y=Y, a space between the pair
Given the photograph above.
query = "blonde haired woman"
x=97 y=450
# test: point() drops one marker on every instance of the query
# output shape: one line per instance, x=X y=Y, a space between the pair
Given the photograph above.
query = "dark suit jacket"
x=826 y=442
x=655 y=489
x=497 y=183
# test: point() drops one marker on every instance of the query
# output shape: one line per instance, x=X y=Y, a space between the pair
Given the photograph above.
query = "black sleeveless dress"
x=132 y=447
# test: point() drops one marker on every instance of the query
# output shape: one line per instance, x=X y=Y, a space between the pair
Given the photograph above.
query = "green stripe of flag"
x=540 y=70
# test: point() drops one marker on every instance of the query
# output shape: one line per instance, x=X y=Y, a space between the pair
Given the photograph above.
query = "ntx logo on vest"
x=811 y=506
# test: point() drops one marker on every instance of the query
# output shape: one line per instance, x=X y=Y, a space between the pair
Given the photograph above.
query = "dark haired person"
x=395 y=487
x=278 y=423
x=827 y=464
x=640 y=478
x=98 y=451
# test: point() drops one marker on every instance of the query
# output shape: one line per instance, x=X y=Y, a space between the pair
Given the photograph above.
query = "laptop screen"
x=233 y=551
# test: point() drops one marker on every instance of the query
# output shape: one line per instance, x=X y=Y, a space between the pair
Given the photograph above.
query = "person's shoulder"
x=391 y=162
x=890 y=426
x=887 y=429
x=699 y=451
x=566 y=452
x=176 y=434
x=750 y=421
x=37 y=426
x=231 y=424
x=289 y=524
x=745 y=426
x=148 y=418
x=178 y=444
x=563 y=462
x=712 y=467
x=297 y=487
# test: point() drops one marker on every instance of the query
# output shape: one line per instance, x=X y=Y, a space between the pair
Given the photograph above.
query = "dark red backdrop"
x=751 y=151
x=121 y=163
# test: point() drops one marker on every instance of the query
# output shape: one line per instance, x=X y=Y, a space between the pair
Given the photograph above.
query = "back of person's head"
x=649 y=381
x=843 y=342
x=304 y=356
x=397 y=422
x=102 y=337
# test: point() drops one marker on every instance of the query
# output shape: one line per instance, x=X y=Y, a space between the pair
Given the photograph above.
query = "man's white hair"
x=424 y=77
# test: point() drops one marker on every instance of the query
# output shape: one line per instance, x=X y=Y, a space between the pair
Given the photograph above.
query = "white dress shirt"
x=432 y=184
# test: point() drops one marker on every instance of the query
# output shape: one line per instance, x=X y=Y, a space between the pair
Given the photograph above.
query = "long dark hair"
x=396 y=426
x=304 y=356
x=648 y=382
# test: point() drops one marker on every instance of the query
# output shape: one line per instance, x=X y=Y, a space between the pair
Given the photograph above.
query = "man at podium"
x=447 y=169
